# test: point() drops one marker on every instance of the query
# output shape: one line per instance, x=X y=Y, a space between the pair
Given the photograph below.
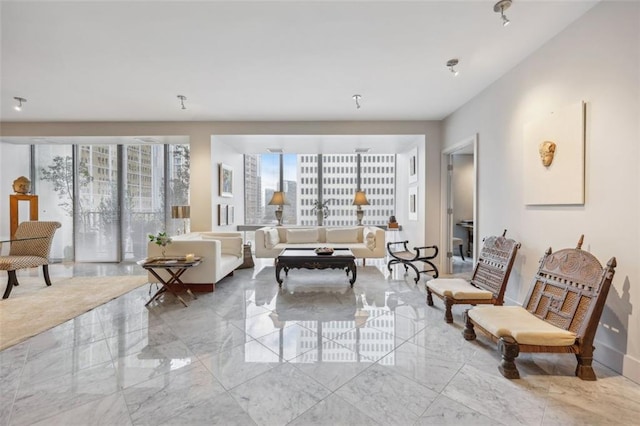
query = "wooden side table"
x=13 y=210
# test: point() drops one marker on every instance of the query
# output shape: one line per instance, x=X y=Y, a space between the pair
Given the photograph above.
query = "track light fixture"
x=357 y=98
x=501 y=6
x=451 y=63
x=20 y=102
x=182 y=99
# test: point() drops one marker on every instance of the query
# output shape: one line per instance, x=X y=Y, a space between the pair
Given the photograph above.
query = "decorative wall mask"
x=547 y=151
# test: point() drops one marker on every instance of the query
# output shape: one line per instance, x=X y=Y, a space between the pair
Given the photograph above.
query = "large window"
x=329 y=179
x=110 y=197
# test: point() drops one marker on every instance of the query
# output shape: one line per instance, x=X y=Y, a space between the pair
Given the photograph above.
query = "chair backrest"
x=494 y=265
x=42 y=232
x=570 y=290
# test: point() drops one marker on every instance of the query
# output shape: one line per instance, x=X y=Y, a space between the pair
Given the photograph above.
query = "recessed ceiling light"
x=275 y=150
x=362 y=150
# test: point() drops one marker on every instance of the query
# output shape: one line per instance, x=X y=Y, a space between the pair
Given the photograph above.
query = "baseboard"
x=631 y=368
x=606 y=355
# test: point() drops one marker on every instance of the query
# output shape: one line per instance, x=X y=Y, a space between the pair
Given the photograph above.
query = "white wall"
x=224 y=153
x=597 y=60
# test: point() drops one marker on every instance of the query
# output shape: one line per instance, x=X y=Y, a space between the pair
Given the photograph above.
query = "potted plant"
x=162 y=239
x=321 y=209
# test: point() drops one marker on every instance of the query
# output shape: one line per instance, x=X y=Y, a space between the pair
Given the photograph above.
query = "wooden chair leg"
x=45 y=272
x=584 y=370
x=448 y=316
x=11 y=282
x=461 y=255
x=429 y=297
x=468 y=333
x=509 y=349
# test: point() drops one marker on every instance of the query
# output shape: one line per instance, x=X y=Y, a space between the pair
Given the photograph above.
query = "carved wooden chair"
x=407 y=258
x=560 y=313
x=488 y=282
x=30 y=248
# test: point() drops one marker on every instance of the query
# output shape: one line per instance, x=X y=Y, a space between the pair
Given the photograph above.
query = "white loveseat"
x=221 y=254
x=364 y=241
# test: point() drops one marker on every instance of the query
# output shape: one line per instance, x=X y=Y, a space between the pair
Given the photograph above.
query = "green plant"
x=162 y=239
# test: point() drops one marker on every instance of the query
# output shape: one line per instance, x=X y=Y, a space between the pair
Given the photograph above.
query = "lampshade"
x=277 y=199
x=360 y=199
x=180 y=212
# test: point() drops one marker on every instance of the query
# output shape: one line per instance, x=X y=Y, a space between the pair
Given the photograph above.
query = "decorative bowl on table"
x=325 y=251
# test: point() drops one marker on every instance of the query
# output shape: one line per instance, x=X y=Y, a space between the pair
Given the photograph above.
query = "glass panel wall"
x=110 y=197
x=97 y=209
x=377 y=180
x=54 y=184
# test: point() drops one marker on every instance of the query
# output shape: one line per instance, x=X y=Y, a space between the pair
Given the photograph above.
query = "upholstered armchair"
x=30 y=248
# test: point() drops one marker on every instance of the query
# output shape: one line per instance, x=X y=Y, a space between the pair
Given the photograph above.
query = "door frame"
x=446 y=201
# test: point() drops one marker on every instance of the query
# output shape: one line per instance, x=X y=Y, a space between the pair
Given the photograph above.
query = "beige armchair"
x=30 y=248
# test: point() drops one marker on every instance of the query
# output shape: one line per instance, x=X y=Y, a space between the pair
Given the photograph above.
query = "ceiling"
x=264 y=61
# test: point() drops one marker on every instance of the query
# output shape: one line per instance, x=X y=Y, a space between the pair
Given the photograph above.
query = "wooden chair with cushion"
x=407 y=258
x=488 y=282
x=30 y=248
x=560 y=313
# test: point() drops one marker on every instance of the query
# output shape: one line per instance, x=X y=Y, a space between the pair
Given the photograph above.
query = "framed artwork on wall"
x=413 y=203
x=553 y=158
x=413 y=165
x=222 y=215
x=226 y=180
x=230 y=215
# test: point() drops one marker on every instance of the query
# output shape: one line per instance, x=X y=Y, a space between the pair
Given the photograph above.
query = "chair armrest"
x=434 y=248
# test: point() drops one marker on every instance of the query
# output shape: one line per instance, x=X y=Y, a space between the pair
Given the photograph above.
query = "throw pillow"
x=370 y=240
x=271 y=238
x=297 y=236
x=342 y=235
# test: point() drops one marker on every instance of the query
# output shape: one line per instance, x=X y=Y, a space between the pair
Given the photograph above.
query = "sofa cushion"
x=457 y=288
x=297 y=236
x=517 y=322
x=342 y=235
x=271 y=238
x=370 y=239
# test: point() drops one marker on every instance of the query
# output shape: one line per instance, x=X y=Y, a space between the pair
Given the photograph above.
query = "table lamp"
x=360 y=200
x=181 y=212
x=278 y=200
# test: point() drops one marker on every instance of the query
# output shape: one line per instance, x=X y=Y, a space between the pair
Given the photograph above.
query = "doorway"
x=459 y=200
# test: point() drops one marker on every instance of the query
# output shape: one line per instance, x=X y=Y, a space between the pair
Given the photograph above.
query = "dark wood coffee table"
x=308 y=259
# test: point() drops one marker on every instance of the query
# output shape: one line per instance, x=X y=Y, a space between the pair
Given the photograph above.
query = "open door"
x=449 y=221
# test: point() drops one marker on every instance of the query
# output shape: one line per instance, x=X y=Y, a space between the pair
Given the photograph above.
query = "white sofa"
x=221 y=254
x=364 y=241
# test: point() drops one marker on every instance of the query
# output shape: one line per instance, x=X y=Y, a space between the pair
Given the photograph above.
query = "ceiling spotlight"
x=182 y=99
x=357 y=99
x=451 y=63
x=501 y=6
x=20 y=102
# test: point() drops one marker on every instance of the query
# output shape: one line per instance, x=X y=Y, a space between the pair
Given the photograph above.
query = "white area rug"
x=38 y=308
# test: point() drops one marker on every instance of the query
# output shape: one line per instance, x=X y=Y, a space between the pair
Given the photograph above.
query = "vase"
x=164 y=254
x=320 y=217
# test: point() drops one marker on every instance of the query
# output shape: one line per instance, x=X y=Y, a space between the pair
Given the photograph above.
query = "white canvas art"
x=553 y=162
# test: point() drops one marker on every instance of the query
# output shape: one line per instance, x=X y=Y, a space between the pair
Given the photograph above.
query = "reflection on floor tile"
x=316 y=352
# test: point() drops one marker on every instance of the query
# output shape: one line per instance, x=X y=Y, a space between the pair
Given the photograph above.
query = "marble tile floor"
x=314 y=353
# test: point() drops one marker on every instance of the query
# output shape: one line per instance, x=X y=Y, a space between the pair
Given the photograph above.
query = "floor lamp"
x=181 y=212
